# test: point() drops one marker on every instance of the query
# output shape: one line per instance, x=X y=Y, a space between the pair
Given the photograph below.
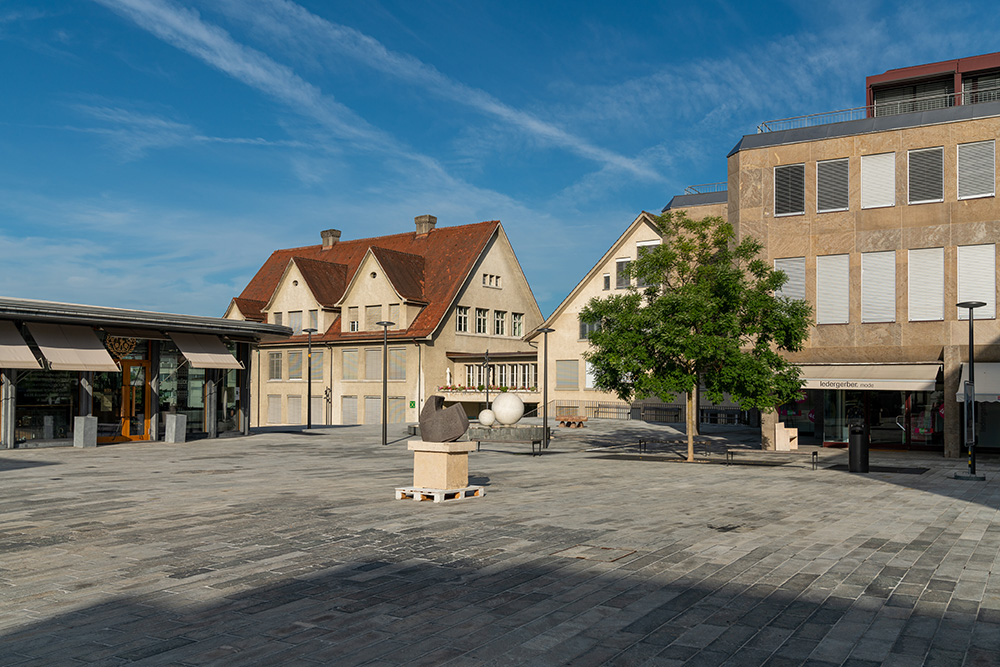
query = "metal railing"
x=705 y=188
x=882 y=109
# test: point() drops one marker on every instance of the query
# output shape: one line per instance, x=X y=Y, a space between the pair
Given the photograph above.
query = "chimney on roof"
x=330 y=237
x=425 y=223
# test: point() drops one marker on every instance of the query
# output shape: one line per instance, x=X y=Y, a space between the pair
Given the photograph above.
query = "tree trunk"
x=691 y=419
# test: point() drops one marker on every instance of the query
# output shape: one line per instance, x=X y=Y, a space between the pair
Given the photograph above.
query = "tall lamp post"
x=385 y=376
x=970 y=405
x=486 y=373
x=309 y=380
x=545 y=386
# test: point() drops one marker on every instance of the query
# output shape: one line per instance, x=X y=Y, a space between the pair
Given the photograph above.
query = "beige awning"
x=871 y=377
x=14 y=352
x=203 y=351
x=72 y=348
x=987 y=383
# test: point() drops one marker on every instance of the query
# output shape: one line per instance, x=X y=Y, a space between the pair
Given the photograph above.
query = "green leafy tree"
x=702 y=307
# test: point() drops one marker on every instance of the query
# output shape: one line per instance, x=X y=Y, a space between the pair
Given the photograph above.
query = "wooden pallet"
x=439 y=495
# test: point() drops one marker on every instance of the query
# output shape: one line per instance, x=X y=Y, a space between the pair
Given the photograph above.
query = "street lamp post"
x=545 y=386
x=385 y=376
x=309 y=380
x=971 y=438
x=486 y=374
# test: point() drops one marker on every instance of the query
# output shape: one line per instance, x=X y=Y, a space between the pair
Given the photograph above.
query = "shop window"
x=295 y=321
x=977 y=279
x=878 y=286
x=397 y=363
x=517 y=324
x=790 y=189
x=48 y=402
x=348 y=410
x=833 y=281
x=373 y=364
x=462 y=319
x=274 y=366
x=482 y=318
x=878 y=180
x=295 y=365
x=567 y=374
x=925 y=284
x=832 y=185
x=794 y=269
x=350 y=365
x=926 y=175
x=976 y=170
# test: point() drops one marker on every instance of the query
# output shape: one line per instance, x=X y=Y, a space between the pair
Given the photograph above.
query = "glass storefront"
x=47 y=402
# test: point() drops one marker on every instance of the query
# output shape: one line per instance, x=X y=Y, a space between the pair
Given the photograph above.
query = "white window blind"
x=926 y=172
x=294 y=365
x=832 y=185
x=294 y=409
x=977 y=169
x=350 y=364
x=348 y=410
x=878 y=180
x=567 y=374
x=318 y=410
x=373 y=364
x=273 y=408
x=317 y=365
x=790 y=189
x=397 y=409
x=373 y=314
x=373 y=409
x=833 y=280
x=977 y=279
x=925 y=284
x=795 y=269
x=397 y=363
x=878 y=286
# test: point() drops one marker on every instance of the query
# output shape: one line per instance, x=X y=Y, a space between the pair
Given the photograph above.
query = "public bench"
x=762 y=457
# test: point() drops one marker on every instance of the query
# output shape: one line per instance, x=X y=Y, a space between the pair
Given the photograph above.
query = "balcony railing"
x=706 y=188
x=882 y=109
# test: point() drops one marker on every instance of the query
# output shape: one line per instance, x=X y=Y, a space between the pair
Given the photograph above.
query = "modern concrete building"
x=127 y=371
x=884 y=218
x=460 y=307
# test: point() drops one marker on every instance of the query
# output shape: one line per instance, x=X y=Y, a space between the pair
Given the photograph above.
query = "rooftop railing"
x=705 y=188
x=889 y=108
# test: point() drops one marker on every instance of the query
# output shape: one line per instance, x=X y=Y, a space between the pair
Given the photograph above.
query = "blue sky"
x=155 y=151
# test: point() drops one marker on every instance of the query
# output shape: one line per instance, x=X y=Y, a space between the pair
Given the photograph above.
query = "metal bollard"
x=857 y=447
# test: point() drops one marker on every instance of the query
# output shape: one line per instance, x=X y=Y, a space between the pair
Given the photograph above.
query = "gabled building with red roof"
x=452 y=294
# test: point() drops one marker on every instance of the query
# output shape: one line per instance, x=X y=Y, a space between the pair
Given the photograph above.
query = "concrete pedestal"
x=440 y=465
x=176 y=428
x=85 y=431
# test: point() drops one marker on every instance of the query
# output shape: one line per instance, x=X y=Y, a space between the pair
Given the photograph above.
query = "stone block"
x=176 y=428
x=85 y=431
x=440 y=465
x=440 y=424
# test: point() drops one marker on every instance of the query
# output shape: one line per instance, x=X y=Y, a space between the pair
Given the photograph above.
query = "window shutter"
x=348 y=410
x=567 y=374
x=294 y=409
x=317 y=365
x=832 y=185
x=926 y=170
x=977 y=279
x=795 y=269
x=925 y=284
x=373 y=364
x=397 y=363
x=318 y=410
x=977 y=169
x=350 y=364
x=394 y=316
x=789 y=189
x=833 y=279
x=294 y=365
x=397 y=409
x=273 y=408
x=878 y=180
x=878 y=286
x=373 y=409
x=373 y=314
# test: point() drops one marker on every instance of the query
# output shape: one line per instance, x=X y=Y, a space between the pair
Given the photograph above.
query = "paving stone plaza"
x=289 y=548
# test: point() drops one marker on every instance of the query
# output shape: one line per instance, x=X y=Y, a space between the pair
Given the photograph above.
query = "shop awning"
x=204 y=351
x=72 y=348
x=987 y=383
x=871 y=377
x=14 y=352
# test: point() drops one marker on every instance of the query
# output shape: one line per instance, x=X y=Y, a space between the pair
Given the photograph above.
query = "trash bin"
x=857 y=449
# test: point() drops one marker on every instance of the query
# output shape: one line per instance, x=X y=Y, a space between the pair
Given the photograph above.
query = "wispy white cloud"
x=290 y=24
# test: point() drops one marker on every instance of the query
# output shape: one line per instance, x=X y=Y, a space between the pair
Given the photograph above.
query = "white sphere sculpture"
x=486 y=418
x=508 y=409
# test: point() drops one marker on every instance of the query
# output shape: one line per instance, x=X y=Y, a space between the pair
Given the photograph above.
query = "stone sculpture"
x=440 y=424
x=486 y=417
x=508 y=409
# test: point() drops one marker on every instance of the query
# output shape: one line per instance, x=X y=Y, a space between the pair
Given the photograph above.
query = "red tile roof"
x=429 y=268
x=251 y=309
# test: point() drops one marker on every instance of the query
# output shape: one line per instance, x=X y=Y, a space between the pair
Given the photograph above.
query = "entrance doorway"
x=121 y=403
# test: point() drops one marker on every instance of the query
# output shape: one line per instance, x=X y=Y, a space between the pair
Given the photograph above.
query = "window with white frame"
x=373 y=364
x=795 y=269
x=977 y=279
x=977 y=169
x=499 y=322
x=621 y=273
x=790 y=189
x=878 y=180
x=925 y=284
x=462 y=319
x=274 y=366
x=482 y=320
x=350 y=367
x=833 y=283
x=878 y=286
x=517 y=324
x=832 y=178
x=607 y=281
x=567 y=374
x=501 y=375
x=295 y=365
x=295 y=321
x=926 y=175
x=586 y=328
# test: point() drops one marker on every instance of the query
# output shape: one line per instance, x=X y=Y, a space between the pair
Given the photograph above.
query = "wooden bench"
x=571 y=421
x=763 y=457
